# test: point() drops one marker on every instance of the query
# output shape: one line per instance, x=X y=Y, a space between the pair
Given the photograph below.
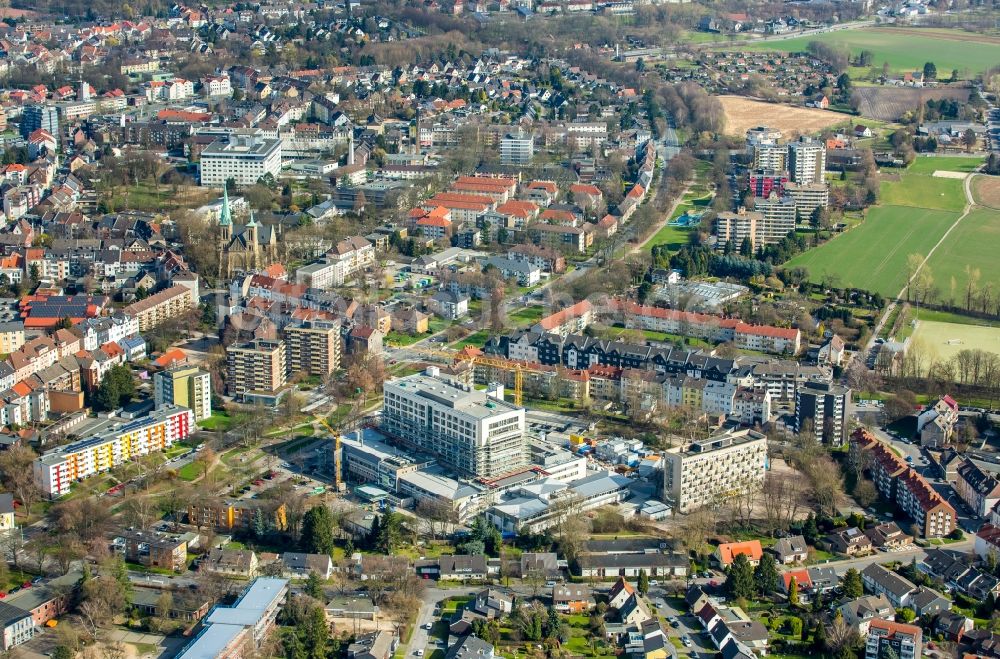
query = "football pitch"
x=945 y=340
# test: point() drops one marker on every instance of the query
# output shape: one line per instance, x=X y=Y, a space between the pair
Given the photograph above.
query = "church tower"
x=225 y=220
x=251 y=231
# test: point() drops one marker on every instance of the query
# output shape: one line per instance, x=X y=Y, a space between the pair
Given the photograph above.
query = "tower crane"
x=517 y=368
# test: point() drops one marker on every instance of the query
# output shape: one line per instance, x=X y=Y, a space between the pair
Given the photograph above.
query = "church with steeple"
x=250 y=246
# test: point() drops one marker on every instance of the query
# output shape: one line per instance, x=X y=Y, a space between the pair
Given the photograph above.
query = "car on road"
x=428 y=625
x=686 y=641
x=419 y=652
x=654 y=582
x=36 y=580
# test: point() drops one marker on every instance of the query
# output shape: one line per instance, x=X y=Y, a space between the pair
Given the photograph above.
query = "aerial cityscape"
x=507 y=329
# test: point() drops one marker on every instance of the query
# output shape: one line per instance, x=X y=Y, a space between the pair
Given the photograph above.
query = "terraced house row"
x=56 y=470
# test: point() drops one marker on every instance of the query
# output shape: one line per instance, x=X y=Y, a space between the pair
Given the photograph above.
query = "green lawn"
x=974 y=243
x=189 y=472
x=527 y=316
x=476 y=339
x=673 y=237
x=924 y=191
x=930 y=164
x=873 y=256
x=906 y=51
x=946 y=317
x=220 y=420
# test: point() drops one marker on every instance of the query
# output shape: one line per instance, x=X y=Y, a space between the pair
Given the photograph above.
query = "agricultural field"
x=873 y=255
x=891 y=103
x=974 y=242
x=743 y=113
x=907 y=49
x=945 y=340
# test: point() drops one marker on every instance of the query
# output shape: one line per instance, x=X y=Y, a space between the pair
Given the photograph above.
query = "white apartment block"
x=806 y=161
x=347 y=258
x=98 y=331
x=702 y=473
x=216 y=86
x=57 y=469
x=473 y=432
x=245 y=158
x=517 y=149
x=770 y=156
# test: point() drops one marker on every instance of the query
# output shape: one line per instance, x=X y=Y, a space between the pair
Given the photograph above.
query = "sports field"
x=924 y=191
x=974 y=242
x=906 y=49
x=944 y=340
x=931 y=164
x=873 y=255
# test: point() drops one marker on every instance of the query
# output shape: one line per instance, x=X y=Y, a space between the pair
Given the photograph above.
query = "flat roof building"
x=256 y=366
x=238 y=630
x=473 y=432
x=244 y=157
x=704 y=472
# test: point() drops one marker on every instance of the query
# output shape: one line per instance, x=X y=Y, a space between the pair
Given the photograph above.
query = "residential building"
x=822 y=407
x=905 y=640
x=791 y=549
x=160 y=307
x=525 y=273
x=571 y=598
x=936 y=423
x=186 y=386
x=11 y=337
x=313 y=348
x=7 y=521
x=850 y=542
x=761 y=182
x=346 y=259
x=727 y=552
x=39 y=117
x=373 y=645
x=778 y=215
x=18 y=626
x=154 y=550
x=978 y=489
x=807 y=161
x=881 y=581
x=237 y=631
x=473 y=432
x=897 y=481
x=470 y=647
x=888 y=536
x=808 y=197
x=517 y=149
x=700 y=473
x=859 y=613
x=299 y=565
x=654 y=564
x=238 y=515
x=734 y=228
x=256 y=366
x=449 y=305
x=245 y=157
x=55 y=470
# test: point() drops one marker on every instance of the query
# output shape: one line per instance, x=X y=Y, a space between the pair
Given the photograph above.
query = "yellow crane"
x=338 y=475
x=517 y=368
